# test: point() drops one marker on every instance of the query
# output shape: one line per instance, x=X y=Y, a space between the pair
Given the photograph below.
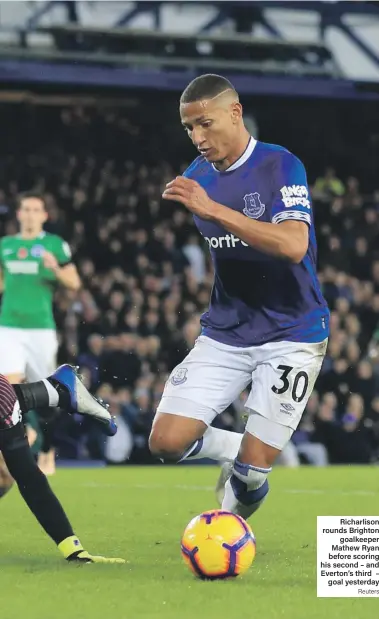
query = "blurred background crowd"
x=147 y=277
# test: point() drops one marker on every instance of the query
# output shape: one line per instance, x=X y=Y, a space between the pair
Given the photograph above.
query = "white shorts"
x=213 y=375
x=30 y=352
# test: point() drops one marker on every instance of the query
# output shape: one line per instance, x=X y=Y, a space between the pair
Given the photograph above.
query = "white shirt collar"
x=244 y=157
x=40 y=236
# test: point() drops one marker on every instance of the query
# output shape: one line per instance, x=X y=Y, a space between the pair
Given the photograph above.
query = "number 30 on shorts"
x=299 y=386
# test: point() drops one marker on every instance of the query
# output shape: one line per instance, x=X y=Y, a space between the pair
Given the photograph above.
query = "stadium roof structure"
x=122 y=56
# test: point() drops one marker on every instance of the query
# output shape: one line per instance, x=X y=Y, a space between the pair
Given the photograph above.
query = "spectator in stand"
x=363 y=382
x=91 y=360
x=347 y=438
x=360 y=264
x=328 y=186
x=118 y=451
x=335 y=255
x=352 y=198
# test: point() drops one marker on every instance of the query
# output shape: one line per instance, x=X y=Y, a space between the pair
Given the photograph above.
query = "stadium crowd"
x=147 y=278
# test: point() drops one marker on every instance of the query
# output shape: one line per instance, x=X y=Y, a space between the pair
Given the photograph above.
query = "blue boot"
x=81 y=401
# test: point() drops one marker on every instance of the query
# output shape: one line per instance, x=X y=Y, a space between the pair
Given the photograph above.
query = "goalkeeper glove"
x=73 y=551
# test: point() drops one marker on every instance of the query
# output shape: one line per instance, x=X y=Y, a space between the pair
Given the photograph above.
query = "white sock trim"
x=53 y=393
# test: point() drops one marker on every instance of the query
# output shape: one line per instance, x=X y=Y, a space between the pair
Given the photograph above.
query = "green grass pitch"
x=140 y=513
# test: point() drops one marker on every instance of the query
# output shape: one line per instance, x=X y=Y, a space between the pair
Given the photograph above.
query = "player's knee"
x=263 y=441
x=166 y=443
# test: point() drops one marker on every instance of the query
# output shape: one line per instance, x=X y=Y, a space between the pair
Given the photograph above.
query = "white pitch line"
x=190 y=488
x=324 y=492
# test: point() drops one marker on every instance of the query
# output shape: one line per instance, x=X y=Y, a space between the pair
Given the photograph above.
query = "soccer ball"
x=218 y=544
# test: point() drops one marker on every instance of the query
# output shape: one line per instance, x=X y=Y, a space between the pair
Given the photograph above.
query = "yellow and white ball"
x=218 y=544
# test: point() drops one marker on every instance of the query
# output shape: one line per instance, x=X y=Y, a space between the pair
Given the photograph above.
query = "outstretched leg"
x=33 y=485
x=65 y=389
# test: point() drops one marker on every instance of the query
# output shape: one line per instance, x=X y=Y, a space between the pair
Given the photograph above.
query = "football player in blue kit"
x=267 y=322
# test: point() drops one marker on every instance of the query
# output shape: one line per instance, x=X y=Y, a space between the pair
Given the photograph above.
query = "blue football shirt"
x=256 y=298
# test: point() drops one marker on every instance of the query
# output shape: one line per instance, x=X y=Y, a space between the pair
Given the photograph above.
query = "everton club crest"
x=179 y=376
x=253 y=206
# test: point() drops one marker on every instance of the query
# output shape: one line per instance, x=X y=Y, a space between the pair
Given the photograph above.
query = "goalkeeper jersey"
x=28 y=286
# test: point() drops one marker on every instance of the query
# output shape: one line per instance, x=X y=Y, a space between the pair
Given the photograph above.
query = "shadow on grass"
x=31 y=564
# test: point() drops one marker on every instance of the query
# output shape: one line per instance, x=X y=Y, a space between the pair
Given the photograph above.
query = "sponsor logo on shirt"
x=220 y=242
x=295 y=195
x=22 y=253
x=15 y=267
x=37 y=251
x=254 y=208
x=66 y=249
x=6 y=252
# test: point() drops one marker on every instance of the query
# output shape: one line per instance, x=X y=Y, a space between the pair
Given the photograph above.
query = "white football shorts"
x=29 y=352
x=213 y=375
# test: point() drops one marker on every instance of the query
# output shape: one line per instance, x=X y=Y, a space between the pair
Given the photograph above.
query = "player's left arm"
x=289 y=240
x=68 y=276
x=59 y=262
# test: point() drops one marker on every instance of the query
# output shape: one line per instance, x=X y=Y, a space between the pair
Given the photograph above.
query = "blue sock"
x=249 y=497
x=246 y=489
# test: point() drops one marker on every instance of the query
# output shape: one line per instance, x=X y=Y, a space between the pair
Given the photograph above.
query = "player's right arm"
x=287 y=241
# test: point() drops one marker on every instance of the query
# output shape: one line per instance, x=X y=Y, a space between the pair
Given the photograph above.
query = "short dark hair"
x=205 y=87
x=25 y=195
